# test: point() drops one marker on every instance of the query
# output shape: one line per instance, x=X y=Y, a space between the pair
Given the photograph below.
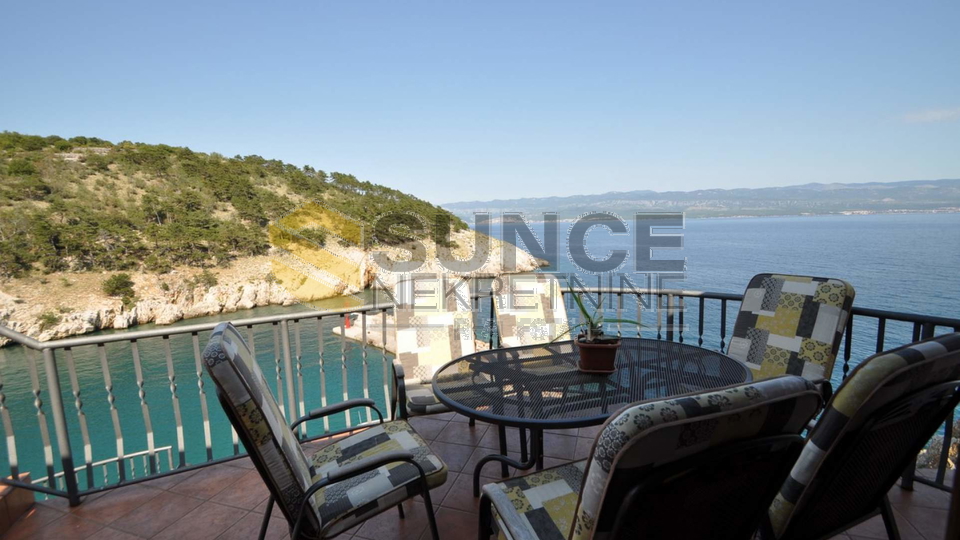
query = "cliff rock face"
x=184 y=303
x=63 y=305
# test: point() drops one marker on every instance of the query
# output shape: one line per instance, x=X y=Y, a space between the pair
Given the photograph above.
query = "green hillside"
x=85 y=204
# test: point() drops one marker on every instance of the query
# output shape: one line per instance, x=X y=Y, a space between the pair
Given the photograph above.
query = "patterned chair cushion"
x=655 y=433
x=791 y=325
x=421 y=399
x=242 y=385
x=539 y=505
x=530 y=309
x=344 y=504
x=877 y=381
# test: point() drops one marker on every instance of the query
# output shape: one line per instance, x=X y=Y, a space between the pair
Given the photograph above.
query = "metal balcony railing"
x=308 y=365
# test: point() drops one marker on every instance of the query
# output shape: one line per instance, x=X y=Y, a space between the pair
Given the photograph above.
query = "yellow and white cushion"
x=791 y=325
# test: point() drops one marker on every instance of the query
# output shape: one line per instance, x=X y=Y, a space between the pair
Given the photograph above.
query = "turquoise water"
x=898 y=262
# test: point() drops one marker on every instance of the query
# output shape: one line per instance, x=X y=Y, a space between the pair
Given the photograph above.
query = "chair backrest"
x=876 y=423
x=645 y=439
x=530 y=309
x=434 y=326
x=791 y=325
x=260 y=425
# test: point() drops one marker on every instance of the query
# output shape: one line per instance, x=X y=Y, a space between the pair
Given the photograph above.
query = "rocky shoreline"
x=60 y=305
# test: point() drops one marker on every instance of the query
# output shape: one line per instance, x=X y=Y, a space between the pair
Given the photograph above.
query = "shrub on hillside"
x=119 y=285
x=21 y=167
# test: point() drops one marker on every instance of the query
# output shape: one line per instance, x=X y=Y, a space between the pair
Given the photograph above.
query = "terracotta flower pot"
x=599 y=356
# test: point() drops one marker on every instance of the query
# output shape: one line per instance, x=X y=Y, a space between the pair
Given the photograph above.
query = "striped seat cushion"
x=258 y=418
x=877 y=381
x=344 y=504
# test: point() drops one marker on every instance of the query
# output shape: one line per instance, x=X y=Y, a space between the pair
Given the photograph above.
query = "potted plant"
x=598 y=353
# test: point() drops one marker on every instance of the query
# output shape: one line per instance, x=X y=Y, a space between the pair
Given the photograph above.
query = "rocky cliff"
x=59 y=305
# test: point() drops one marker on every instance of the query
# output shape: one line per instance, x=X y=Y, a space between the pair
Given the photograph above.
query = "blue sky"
x=455 y=100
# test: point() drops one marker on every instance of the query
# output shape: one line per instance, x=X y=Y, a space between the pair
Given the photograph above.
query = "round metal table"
x=539 y=387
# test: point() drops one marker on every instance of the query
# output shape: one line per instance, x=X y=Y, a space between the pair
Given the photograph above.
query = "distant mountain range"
x=807 y=199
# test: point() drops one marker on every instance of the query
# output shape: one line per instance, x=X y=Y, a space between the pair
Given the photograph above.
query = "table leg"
x=538 y=453
x=523 y=444
x=536 y=459
x=502 y=431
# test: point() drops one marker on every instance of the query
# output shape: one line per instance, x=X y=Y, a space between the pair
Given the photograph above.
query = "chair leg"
x=889 y=520
x=906 y=479
x=400 y=509
x=266 y=519
x=485 y=516
x=428 y=502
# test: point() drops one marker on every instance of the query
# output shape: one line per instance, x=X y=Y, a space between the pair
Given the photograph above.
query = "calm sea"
x=898 y=262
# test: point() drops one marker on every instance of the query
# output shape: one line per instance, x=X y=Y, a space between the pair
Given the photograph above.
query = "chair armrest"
x=398 y=369
x=401 y=393
x=355 y=469
x=338 y=407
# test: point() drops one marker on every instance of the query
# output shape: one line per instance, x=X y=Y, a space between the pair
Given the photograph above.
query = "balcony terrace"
x=132 y=451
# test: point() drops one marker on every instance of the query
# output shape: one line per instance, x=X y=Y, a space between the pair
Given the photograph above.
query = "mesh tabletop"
x=539 y=386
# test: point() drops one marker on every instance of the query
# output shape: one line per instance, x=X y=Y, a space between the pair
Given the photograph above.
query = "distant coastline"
x=946 y=210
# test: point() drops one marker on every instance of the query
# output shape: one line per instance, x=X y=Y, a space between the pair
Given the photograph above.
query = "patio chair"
x=695 y=466
x=433 y=328
x=791 y=325
x=530 y=309
x=348 y=481
x=880 y=418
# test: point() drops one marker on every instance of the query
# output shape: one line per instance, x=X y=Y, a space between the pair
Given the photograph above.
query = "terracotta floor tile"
x=428 y=428
x=62 y=504
x=874 y=528
x=68 y=526
x=491 y=439
x=243 y=463
x=168 y=482
x=454 y=455
x=246 y=493
x=32 y=521
x=461 y=433
x=262 y=507
x=931 y=523
x=209 y=481
x=570 y=432
x=438 y=493
x=559 y=446
x=460 y=496
x=156 y=514
x=491 y=470
x=584 y=446
x=454 y=524
x=116 y=503
x=590 y=432
x=209 y=520
x=248 y=528
x=388 y=525
x=922 y=495
x=114 y=534
x=461 y=418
